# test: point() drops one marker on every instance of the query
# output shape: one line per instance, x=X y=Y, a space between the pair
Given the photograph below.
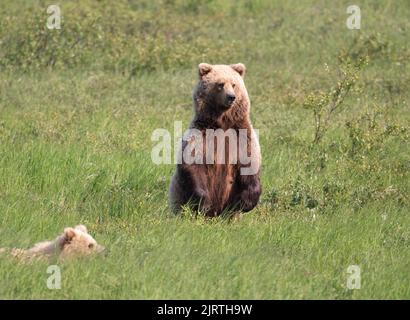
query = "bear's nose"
x=230 y=98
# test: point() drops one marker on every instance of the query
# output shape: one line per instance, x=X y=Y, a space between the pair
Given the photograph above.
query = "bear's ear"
x=69 y=234
x=240 y=68
x=204 y=68
x=82 y=228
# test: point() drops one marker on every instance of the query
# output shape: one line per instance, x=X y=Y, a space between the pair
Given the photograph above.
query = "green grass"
x=75 y=145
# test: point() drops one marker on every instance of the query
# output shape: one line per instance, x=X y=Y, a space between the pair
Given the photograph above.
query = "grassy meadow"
x=78 y=106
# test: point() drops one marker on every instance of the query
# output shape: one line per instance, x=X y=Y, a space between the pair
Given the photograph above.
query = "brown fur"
x=213 y=188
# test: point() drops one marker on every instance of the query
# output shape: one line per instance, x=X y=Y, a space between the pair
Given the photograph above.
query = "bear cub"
x=74 y=242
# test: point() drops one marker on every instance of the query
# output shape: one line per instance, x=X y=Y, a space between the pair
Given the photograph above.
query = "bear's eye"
x=220 y=86
x=233 y=85
x=90 y=246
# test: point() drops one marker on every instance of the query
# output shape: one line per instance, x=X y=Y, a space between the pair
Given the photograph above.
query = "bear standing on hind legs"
x=219 y=181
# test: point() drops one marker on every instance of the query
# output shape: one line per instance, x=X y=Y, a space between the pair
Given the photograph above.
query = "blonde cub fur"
x=74 y=242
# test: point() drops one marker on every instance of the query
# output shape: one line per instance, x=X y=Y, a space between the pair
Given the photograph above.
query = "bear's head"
x=220 y=88
x=78 y=242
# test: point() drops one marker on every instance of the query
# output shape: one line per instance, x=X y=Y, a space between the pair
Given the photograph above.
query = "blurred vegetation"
x=126 y=37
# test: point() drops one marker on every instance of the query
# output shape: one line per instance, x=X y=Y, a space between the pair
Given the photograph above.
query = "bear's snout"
x=230 y=98
x=101 y=249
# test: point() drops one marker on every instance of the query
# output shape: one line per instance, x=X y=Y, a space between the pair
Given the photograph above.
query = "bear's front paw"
x=249 y=198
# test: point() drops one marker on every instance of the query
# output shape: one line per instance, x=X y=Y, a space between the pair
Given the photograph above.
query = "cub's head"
x=221 y=86
x=78 y=242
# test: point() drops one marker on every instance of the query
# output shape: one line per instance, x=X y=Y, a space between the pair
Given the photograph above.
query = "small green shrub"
x=368 y=132
x=375 y=46
x=324 y=104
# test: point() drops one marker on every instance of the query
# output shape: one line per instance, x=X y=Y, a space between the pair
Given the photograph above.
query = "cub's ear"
x=240 y=68
x=82 y=228
x=204 y=68
x=69 y=234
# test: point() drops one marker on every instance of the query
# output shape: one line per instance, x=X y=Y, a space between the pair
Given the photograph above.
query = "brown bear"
x=216 y=181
